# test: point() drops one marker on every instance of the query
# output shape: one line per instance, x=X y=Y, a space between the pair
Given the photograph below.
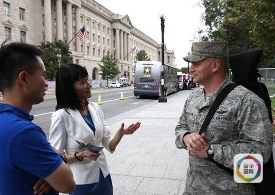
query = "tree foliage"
x=51 y=50
x=245 y=24
x=142 y=56
x=184 y=70
x=109 y=68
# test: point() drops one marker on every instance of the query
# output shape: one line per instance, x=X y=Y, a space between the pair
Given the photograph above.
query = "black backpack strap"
x=219 y=99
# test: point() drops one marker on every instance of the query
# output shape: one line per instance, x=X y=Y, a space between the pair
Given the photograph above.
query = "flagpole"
x=74 y=36
x=129 y=53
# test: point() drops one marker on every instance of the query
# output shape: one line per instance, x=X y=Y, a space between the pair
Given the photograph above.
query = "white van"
x=115 y=84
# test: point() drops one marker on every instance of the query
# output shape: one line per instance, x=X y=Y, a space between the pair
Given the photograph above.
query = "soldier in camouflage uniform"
x=240 y=125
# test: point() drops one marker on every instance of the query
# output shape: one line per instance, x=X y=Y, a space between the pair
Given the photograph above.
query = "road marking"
x=43 y=114
x=116 y=99
x=102 y=102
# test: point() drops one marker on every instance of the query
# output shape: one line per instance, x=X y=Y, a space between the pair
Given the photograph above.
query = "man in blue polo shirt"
x=28 y=163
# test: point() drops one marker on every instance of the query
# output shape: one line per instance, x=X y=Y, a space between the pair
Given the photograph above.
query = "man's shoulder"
x=245 y=94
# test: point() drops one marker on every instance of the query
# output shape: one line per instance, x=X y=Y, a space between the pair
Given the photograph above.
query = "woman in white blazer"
x=77 y=119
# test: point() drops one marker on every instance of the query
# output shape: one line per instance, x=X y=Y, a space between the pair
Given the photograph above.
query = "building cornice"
x=144 y=37
x=98 y=9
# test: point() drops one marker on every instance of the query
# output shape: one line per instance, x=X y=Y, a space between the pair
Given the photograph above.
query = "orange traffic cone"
x=99 y=102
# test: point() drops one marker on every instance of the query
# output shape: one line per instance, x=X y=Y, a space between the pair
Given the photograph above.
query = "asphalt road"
x=113 y=103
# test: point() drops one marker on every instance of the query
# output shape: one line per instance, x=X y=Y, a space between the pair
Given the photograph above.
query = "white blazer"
x=69 y=124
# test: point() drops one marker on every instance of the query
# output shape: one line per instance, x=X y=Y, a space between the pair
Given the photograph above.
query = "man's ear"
x=23 y=78
x=216 y=65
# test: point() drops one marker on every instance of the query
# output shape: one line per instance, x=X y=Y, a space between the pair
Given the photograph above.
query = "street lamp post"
x=188 y=65
x=162 y=98
x=58 y=59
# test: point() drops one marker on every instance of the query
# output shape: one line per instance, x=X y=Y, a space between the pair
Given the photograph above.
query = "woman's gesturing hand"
x=130 y=129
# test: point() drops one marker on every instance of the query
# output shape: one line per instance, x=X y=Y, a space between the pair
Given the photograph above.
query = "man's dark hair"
x=14 y=58
x=66 y=76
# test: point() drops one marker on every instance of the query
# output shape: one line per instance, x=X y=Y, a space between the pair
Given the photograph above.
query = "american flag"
x=134 y=50
x=82 y=34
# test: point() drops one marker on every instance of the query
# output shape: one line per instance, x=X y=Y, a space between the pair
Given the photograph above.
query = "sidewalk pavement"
x=148 y=162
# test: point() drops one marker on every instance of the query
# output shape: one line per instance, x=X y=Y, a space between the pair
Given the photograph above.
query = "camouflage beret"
x=203 y=50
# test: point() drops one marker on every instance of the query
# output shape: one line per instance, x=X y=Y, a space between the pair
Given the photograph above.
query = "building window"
x=81 y=20
x=77 y=61
x=7 y=33
x=93 y=24
x=108 y=31
x=103 y=40
x=98 y=52
x=87 y=22
x=93 y=37
x=108 y=42
x=82 y=48
x=88 y=35
x=21 y=14
x=6 y=9
x=23 y=36
x=88 y=50
x=98 y=27
x=98 y=39
x=93 y=51
x=103 y=29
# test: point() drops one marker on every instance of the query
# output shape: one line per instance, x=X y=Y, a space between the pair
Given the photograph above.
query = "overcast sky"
x=183 y=20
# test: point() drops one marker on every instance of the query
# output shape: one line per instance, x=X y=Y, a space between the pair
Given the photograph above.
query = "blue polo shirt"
x=25 y=155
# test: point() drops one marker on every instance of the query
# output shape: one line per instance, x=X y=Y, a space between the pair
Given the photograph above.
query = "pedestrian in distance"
x=240 y=125
x=78 y=126
x=28 y=163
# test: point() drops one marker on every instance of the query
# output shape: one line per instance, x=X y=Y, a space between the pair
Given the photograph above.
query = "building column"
x=48 y=20
x=121 y=45
x=129 y=46
x=59 y=20
x=69 y=23
x=38 y=21
x=125 y=46
x=117 y=44
x=77 y=21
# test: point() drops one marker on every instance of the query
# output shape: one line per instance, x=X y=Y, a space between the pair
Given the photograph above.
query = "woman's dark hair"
x=66 y=95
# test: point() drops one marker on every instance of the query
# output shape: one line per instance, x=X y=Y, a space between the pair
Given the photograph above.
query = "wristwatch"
x=210 y=152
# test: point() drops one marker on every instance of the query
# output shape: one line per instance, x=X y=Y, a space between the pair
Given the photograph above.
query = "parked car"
x=124 y=84
x=115 y=85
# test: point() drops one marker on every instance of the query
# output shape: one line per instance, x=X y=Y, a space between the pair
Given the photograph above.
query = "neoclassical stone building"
x=35 y=21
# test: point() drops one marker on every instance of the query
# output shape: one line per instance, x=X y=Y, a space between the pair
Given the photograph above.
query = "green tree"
x=245 y=24
x=109 y=68
x=51 y=50
x=142 y=56
x=184 y=70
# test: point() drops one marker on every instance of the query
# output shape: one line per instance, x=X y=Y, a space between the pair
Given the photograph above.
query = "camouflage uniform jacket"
x=240 y=125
